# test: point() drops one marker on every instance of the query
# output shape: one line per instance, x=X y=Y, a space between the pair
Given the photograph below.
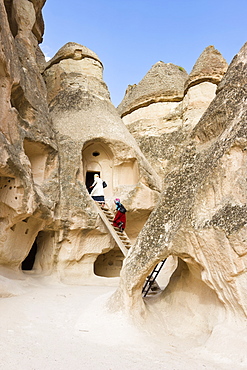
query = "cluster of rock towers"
x=174 y=151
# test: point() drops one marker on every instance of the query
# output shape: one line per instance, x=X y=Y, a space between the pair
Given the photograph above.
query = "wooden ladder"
x=124 y=244
x=150 y=280
x=120 y=238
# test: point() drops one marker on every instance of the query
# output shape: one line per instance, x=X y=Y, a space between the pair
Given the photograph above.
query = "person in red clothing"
x=120 y=217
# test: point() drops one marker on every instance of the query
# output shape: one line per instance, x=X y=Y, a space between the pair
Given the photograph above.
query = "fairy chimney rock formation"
x=79 y=100
x=81 y=109
x=163 y=82
x=93 y=139
x=210 y=66
x=74 y=67
x=153 y=109
x=165 y=106
x=201 y=85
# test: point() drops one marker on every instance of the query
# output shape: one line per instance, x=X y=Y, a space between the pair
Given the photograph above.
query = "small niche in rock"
x=109 y=264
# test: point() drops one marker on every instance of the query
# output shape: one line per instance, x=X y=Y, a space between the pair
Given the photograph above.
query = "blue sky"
x=129 y=36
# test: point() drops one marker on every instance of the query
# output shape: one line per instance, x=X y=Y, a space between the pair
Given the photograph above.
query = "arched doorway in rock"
x=109 y=264
x=41 y=255
x=28 y=262
x=98 y=158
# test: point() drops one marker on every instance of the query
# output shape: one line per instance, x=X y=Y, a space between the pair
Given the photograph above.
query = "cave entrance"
x=98 y=158
x=28 y=262
x=90 y=179
x=109 y=264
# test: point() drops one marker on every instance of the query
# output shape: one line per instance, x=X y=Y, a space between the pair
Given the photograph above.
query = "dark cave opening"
x=28 y=262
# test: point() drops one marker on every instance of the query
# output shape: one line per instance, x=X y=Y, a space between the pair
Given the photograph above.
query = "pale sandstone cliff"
x=201 y=220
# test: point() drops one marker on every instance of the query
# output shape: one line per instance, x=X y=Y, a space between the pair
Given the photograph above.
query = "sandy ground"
x=53 y=326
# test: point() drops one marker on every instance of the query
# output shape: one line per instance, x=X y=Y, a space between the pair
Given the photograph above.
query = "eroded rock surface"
x=28 y=147
x=200 y=87
x=164 y=82
x=92 y=138
x=163 y=108
x=201 y=217
x=58 y=128
x=210 y=66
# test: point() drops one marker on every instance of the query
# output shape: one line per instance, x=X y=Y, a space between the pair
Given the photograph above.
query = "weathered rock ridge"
x=27 y=139
x=201 y=216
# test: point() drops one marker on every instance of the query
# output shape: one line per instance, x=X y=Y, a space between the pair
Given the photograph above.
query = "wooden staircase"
x=120 y=238
x=124 y=244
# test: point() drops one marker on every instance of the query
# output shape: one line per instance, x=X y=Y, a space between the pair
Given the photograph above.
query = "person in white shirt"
x=98 y=191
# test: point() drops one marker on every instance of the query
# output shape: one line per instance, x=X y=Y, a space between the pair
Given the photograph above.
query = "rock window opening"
x=28 y=262
x=90 y=179
x=96 y=154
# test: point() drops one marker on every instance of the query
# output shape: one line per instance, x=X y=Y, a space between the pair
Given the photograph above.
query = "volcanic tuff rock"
x=47 y=165
x=28 y=146
x=202 y=216
x=45 y=203
x=210 y=66
x=92 y=138
x=160 y=127
x=74 y=51
x=201 y=85
x=152 y=110
x=164 y=82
